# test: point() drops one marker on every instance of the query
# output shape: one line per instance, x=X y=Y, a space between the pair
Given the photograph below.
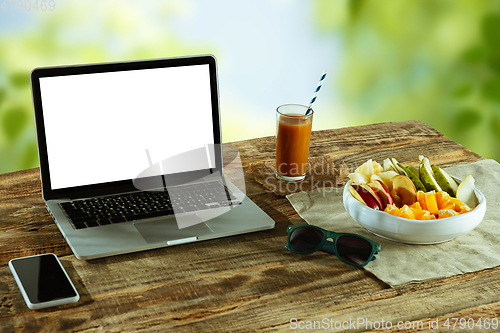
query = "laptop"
x=131 y=156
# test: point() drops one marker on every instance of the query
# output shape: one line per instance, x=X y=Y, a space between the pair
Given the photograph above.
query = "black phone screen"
x=43 y=278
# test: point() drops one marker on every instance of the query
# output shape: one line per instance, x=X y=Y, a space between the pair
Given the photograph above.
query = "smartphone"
x=43 y=281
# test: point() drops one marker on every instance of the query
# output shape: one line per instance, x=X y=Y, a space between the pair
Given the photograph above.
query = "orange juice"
x=292 y=145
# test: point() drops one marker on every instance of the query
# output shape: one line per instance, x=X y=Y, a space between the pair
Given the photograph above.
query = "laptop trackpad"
x=168 y=230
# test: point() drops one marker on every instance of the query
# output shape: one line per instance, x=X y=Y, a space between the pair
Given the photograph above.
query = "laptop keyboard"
x=121 y=208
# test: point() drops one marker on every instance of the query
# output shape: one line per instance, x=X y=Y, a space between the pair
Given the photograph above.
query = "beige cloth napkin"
x=399 y=264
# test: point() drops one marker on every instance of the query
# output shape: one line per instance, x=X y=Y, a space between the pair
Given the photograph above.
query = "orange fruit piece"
x=456 y=201
x=458 y=204
x=448 y=206
x=424 y=215
x=420 y=214
x=417 y=210
x=431 y=202
x=392 y=209
x=428 y=216
x=407 y=213
x=416 y=206
x=443 y=199
x=447 y=213
x=464 y=209
x=421 y=199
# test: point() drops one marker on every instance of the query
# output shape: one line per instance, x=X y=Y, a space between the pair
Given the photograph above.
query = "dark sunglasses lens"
x=305 y=239
x=354 y=249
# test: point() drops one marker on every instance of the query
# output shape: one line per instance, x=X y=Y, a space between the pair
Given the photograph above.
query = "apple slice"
x=405 y=189
x=386 y=177
x=397 y=199
x=383 y=192
x=364 y=196
x=355 y=194
x=374 y=177
x=375 y=195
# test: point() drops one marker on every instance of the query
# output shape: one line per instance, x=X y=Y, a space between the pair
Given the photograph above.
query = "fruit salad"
x=425 y=192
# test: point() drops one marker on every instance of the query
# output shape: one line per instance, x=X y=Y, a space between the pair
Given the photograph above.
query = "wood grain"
x=241 y=283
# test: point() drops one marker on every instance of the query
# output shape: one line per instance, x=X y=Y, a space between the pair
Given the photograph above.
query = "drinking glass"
x=293 y=133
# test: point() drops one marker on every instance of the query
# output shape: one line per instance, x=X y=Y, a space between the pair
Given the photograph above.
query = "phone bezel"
x=47 y=304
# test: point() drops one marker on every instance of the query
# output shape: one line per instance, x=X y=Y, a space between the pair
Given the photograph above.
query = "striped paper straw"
x=316 y=92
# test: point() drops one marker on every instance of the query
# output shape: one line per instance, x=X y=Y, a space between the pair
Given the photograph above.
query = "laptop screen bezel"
x=124 y=185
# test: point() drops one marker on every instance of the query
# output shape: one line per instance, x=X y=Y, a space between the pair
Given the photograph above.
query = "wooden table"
x=241 y=283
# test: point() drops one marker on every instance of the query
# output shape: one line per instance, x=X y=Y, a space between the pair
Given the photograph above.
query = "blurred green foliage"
x=75 y=32
x=433 y=60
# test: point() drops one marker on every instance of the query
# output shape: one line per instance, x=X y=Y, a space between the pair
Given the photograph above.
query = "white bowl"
x=409 y=231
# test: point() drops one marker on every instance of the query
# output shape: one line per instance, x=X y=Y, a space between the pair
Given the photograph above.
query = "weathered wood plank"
x=483 y=320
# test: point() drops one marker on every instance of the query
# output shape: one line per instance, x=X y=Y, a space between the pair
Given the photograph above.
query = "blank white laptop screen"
x=99 y=126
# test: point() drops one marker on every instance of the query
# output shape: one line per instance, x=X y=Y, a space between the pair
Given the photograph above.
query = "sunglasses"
x=351 y=249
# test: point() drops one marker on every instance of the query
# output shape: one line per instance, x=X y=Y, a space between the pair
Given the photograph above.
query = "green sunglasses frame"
x=331 y=247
